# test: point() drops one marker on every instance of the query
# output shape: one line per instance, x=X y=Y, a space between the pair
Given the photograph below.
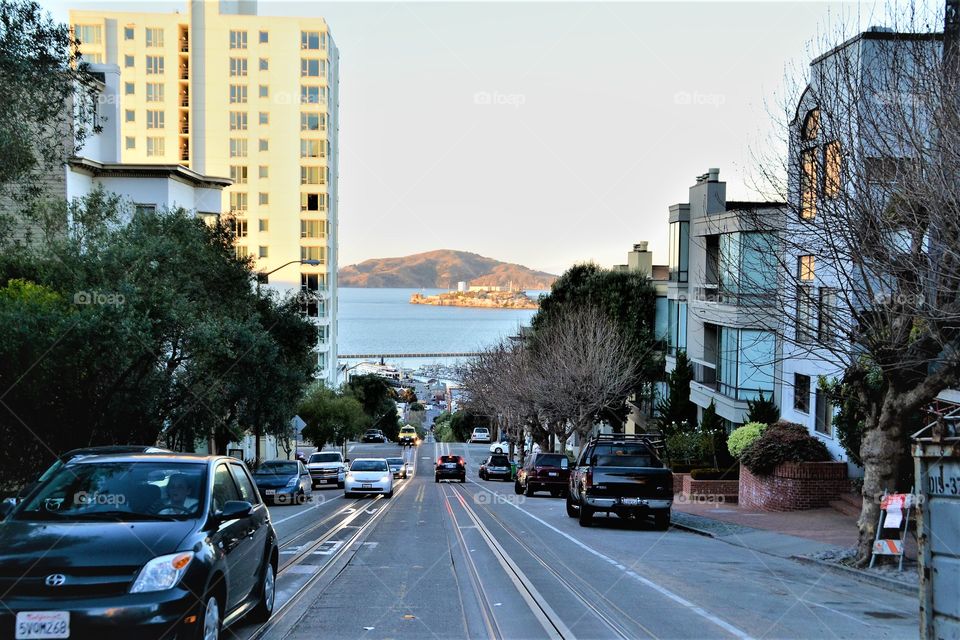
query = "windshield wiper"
x=120 y=516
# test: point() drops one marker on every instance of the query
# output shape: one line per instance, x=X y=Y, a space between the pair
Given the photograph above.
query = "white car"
x=368 y=476
x=500 y=447
x=480 y=434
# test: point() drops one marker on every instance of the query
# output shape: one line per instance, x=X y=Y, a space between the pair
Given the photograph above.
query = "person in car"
x=178 y=496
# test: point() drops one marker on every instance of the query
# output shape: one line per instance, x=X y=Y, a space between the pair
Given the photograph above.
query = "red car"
x=450 y=468
x=543 y=472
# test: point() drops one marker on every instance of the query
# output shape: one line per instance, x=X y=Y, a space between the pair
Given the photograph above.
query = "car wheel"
x=517 y=489
x=529 y=490
x=586 y=515
x=388 y=494
x=210 y=624
x=661 y=520
x=347 y=494
x=300 y=498
x=436 y=479
x=268 y=595
x=554 y=493
x=572 y=509
x=498 y=450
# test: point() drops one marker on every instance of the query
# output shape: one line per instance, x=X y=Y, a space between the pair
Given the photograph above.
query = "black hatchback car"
x=138 y=546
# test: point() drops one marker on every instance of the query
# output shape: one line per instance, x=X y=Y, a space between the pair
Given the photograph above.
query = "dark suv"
x=543 y=472
x=450 y=468
x=621 y=474
x=137 y=546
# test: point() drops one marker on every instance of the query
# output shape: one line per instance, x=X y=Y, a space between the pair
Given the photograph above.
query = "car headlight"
x=294 y=481
x=162 y=573
x=349 y=476
x=386 y=478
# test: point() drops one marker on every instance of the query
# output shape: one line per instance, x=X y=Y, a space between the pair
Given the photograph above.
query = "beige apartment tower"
x=226 y=92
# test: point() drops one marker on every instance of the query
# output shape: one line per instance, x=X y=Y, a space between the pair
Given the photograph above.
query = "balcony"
x=184 y=45
x=184 y=128
x=184 y=73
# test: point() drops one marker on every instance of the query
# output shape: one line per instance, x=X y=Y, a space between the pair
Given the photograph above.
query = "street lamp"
x=262 y=278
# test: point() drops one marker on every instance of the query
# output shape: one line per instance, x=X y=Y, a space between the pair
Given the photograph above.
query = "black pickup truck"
x=621 y=474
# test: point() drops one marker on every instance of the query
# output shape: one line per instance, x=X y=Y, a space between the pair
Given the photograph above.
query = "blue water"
x=383 y=321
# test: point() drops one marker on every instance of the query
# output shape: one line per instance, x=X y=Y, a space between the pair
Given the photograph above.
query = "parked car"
x=621 y=474
x=133 y=546
x=500 y=447
x=450 y=468
x=398 y=467
x=283 y=481
x=543 y=472
x=480 y=434
x=327 y=467
x=408 y=437
x=374 y=435
x=495 y=466
x=369 y=476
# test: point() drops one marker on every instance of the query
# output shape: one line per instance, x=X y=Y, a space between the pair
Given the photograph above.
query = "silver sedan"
x=368 y=476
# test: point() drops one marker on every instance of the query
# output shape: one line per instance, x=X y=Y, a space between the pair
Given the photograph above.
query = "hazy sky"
x=546 y=133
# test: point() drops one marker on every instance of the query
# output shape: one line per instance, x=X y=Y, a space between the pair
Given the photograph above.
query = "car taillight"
x=588 y=479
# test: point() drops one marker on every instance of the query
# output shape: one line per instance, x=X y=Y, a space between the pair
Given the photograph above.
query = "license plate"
x=329 y=481
x=551 y=473
x=450 y=465
x=366 y=486
x=631 y=501
x=43 y=624
x=270 y=492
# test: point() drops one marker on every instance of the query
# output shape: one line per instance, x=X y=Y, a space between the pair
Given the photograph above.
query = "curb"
x=863 y=576
x=692 y=529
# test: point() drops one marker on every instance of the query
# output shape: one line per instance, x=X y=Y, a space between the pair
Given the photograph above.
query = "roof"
x=151 y=457
x=740 y=205
x=128 y=170
x=660 y=272
x=878 y=35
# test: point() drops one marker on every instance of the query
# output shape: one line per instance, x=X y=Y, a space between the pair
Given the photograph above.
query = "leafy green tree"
x=331 y=416
x=377 y=399
x=762 y=410
x=629 y=300
x=675 y=411
x=714 y=430
x=462 y=424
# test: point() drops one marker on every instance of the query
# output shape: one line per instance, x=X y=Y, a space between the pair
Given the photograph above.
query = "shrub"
x=742 y=437
x=731 y=473
x=686 y=447
x=782 y=442
x=682 y=467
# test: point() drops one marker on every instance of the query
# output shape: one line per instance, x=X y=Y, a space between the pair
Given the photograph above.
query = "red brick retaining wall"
x=678 y=482
x=794 y=486
x=726 y=488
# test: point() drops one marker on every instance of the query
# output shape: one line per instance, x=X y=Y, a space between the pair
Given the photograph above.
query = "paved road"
x=474 y=560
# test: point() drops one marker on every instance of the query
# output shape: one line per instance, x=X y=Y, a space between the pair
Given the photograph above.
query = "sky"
x=548 y=133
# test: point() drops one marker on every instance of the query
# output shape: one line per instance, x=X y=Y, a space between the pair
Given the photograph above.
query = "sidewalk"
x=820 y=536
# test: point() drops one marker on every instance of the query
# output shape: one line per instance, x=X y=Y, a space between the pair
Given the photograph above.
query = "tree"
x=762 y=410
x=868 y=249
x=675 y=411
x=40 y=72
x=376 y=397
x=713 y=427
x=331 y=416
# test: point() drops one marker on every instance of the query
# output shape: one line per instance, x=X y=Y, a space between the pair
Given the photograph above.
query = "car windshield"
x=623 y=455
x=409 y=432
x=395 y=461
x=324 y=457
x=369 y=465
x=372 y=432
x=499 y=461
x=280 y=468
x=118 y=491
x=549 y=460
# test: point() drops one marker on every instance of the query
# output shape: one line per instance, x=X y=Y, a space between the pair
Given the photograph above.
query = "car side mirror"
x=234 y=510
x=6 y=507
x=564 y=464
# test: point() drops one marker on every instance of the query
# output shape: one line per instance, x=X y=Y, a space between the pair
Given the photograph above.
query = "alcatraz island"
x=478 y=296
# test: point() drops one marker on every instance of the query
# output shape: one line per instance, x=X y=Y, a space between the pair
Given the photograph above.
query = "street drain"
x=885 y=615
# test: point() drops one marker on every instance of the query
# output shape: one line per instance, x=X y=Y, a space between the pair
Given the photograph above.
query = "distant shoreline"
x=478 y=299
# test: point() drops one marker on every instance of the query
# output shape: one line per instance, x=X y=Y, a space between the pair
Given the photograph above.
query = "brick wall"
x=726 y=488
x=794 y=486
x=678 y=482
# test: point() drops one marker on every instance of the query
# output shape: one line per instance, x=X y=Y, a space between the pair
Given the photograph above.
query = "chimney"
x=713 y=175
x=640 y=260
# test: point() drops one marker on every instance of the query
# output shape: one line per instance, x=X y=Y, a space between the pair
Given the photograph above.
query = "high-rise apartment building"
x=226 y=92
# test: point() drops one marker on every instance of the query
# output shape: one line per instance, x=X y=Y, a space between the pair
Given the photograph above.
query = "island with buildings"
x=478 y=296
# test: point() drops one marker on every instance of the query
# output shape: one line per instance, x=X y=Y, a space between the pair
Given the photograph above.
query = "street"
x=469 y=560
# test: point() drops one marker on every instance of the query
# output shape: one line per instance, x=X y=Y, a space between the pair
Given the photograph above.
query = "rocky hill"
x=442 y=269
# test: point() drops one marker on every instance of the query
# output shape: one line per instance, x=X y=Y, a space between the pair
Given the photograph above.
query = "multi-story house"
x=223 y=91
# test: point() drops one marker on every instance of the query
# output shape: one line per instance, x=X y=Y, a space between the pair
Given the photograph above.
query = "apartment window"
x=243 y=252
x=264 y=144
x=238 y=39
x=312 y=122
x=130 y=142
x=238 y=94
x=311 y=148
x=264 y=118
x=824 y=421
x=238 y=67
x=309 y=94
x=314 y=253
x=311 y=281
x=93 y=58
x=263 y=251
x=154 y=65
x=679 y=251
x=832 y=167
x=264 y=37
x=808 y=184
x=240 y=227
x=264 y=91
x=264 y=225
x=827 y=315
x=264 y=64
x=310 y=40
x=238 y=201
x=804 y=320
x=154 y=92
x=129 y=88
x=155 y=119
x=238 y=120
x=238 y=173
x=144 y=209
x=801 y=393
x=155 y=146
x=313 y=202
x=310 y=68
x=129 y=115
x=128 y=61
x=238 y=148
x=312 y=175
x=88 y=33
x=811 y=125
x=128 y=33
x=311 y=229
x=807 y=268
x=264 y=171
x=154 y=37
x=263 y=198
